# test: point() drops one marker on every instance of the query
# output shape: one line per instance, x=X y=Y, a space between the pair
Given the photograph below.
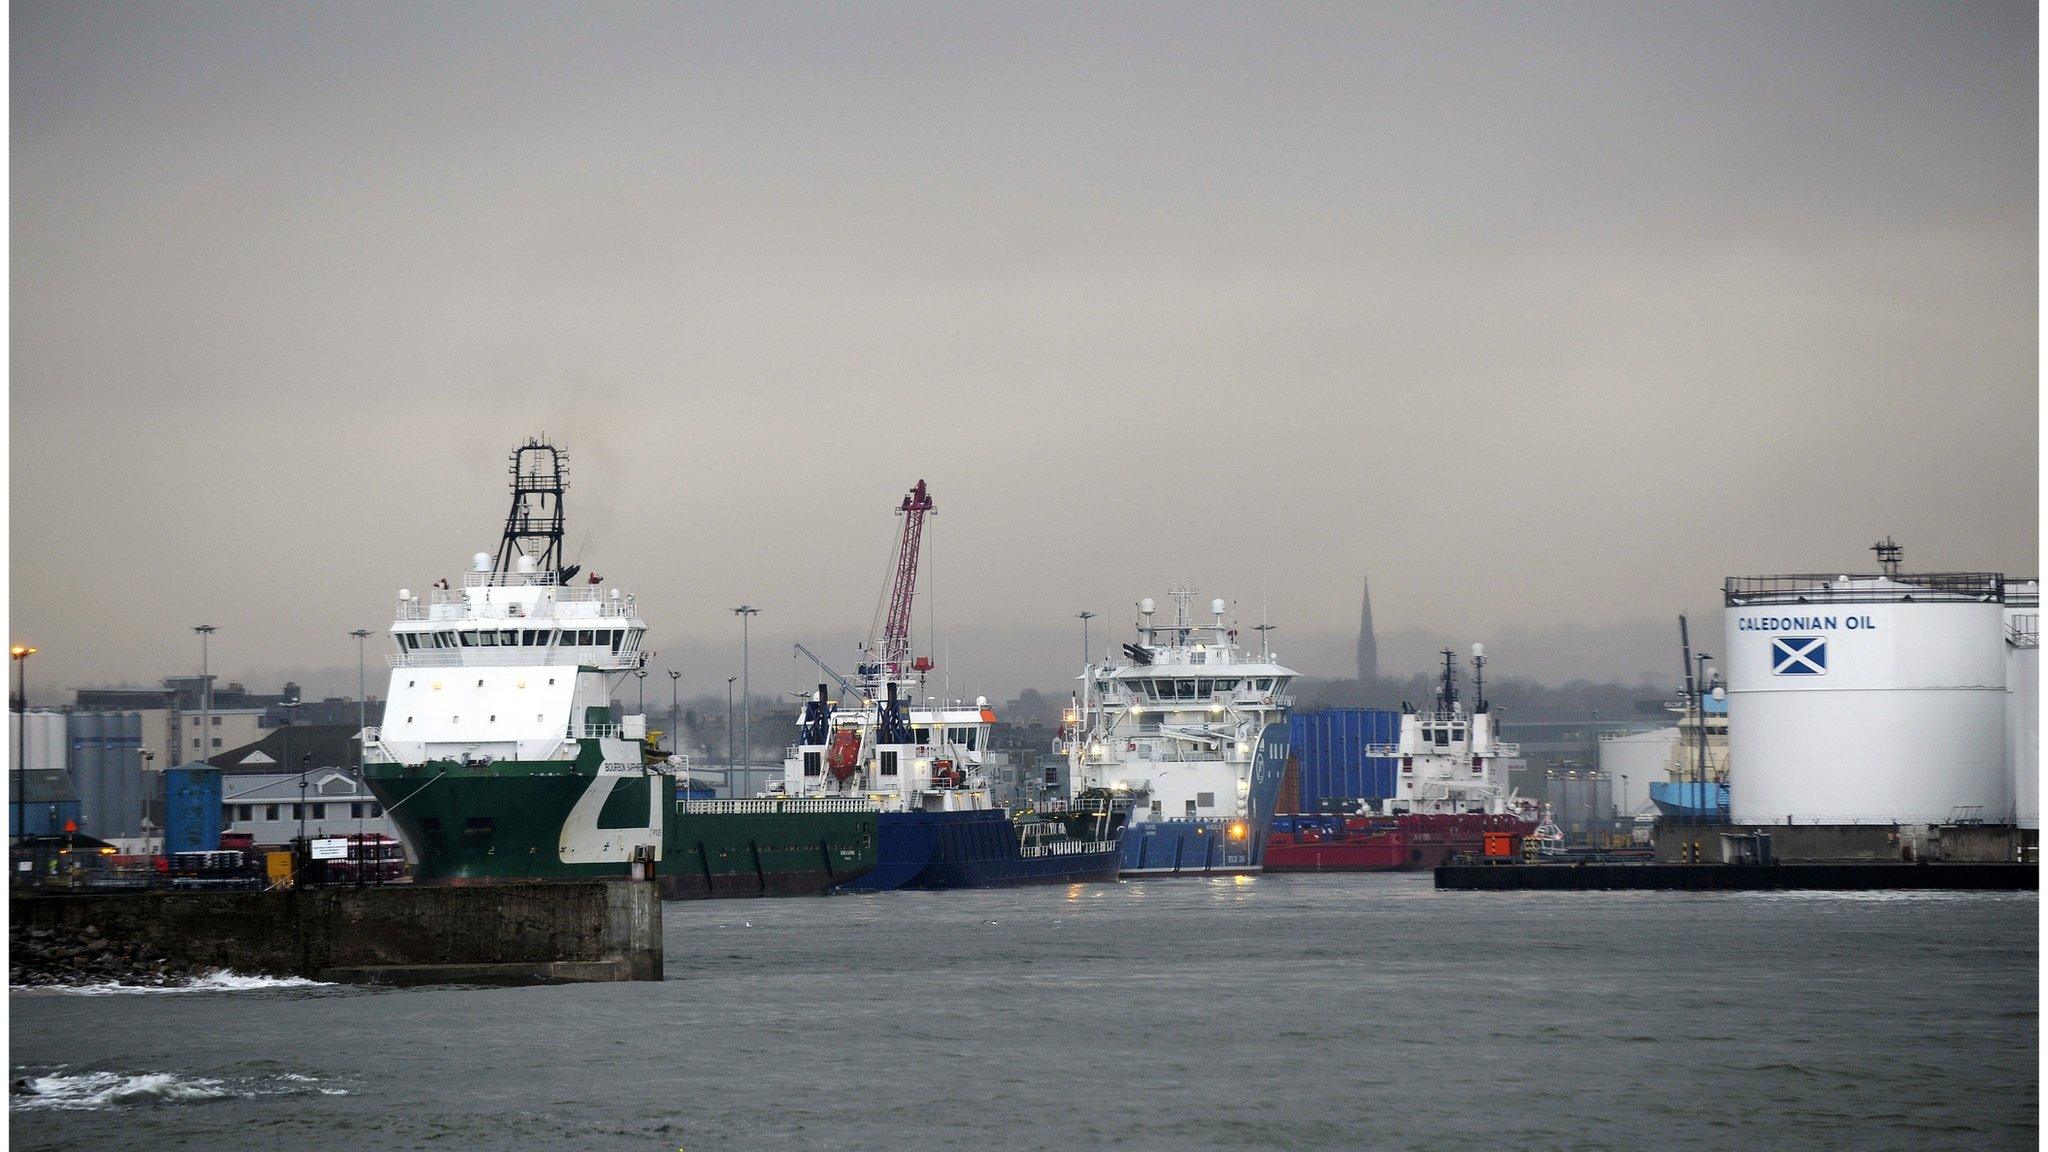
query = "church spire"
x=1368 y=644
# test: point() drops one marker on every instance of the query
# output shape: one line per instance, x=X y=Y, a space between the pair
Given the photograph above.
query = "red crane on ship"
x=892 y=652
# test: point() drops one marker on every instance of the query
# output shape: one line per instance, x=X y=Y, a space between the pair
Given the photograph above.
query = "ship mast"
x=535 y=526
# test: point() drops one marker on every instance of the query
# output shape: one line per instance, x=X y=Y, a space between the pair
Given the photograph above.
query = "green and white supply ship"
x=500 y=756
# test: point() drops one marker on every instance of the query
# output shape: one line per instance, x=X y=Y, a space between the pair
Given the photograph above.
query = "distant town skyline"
x=1547 y=318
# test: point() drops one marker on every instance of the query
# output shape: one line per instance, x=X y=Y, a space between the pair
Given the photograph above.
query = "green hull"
x=509 y=821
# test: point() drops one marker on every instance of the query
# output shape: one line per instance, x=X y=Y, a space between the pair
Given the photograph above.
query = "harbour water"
x=1304 y=1012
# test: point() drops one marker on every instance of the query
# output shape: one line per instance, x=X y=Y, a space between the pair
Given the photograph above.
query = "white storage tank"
x=46 y=743
x=1634 y=761
x=1866 y=699
x=2023 y=698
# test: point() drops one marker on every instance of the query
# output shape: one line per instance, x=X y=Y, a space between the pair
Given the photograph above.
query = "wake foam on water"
x=60 y=1091
x=220 y=980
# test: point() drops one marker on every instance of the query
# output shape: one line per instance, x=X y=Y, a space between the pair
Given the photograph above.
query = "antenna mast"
x=1889 y=555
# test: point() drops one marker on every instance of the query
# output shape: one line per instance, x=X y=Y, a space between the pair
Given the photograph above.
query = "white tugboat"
x=1193 y=732
x=1451 y=795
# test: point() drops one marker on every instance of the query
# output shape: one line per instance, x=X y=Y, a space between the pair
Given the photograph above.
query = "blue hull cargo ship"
x=924 y=764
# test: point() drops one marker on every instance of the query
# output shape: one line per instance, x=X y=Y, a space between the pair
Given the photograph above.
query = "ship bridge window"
x=488 y=640
x=508 y=637
x=1226 y=685
x=618 y=638
x=586 y=637
x=1441 y=736
x=468 y=639
x=1263 y=684
x=1184 y=689
x=922 y=735
x=1206 y=689
x=972 y=736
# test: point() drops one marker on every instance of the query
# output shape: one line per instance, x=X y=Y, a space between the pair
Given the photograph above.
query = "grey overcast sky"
x=1546 y=315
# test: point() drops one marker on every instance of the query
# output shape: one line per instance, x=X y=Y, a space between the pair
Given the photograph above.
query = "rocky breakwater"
x=39 y=957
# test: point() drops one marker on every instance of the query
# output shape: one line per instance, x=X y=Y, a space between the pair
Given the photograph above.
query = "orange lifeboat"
x=842 y=755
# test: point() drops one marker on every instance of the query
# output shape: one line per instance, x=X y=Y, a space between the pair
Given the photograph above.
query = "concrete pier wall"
x=513 y=932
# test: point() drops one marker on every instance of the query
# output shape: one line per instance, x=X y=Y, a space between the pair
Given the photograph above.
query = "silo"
x=106 y=767
x=2023 y=698
x=45 y=744
x=1866 y=699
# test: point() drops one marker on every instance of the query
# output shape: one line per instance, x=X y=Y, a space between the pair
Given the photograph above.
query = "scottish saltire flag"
x=1799 y=656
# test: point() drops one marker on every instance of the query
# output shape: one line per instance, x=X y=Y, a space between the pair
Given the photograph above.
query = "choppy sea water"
x=1333 y=1012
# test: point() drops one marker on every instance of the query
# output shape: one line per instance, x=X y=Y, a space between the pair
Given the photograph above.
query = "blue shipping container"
x=1330 y=744
x=191 y=809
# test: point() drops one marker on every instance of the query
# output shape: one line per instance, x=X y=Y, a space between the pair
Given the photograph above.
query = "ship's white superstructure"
x=1176 y=727
x=873 y=743
x=1451 y=761
x=509 y=666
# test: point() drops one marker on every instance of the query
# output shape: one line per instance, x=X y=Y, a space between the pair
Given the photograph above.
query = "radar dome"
x=1216 y=606
x=1478 y=651
x=524 y=564
x=1145 y=606
x=405 y=593
x=481 y=561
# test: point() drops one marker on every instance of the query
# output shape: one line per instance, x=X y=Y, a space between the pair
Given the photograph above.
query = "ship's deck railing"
x=564 y=604
x=566 y=656
x=1068 y=848
x=2024 y=630
x=1382 y=751
x=1818 y=588
x=770 y=805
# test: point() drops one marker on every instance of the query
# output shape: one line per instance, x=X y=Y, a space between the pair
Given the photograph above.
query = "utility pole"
x=746 y=613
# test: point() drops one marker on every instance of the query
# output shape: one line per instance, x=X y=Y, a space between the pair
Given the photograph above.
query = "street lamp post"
x=21 y=653
x=206 y=632
x=728 y=728
x=362 y=636
x=288 y=706
x=675 y=712
x=746 y=613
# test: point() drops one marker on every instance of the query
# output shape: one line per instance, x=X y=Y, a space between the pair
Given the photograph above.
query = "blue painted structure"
x=191 y=809
x=1689 y=800
x=973 y=849
x=1329 y=745
x=52 y=802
